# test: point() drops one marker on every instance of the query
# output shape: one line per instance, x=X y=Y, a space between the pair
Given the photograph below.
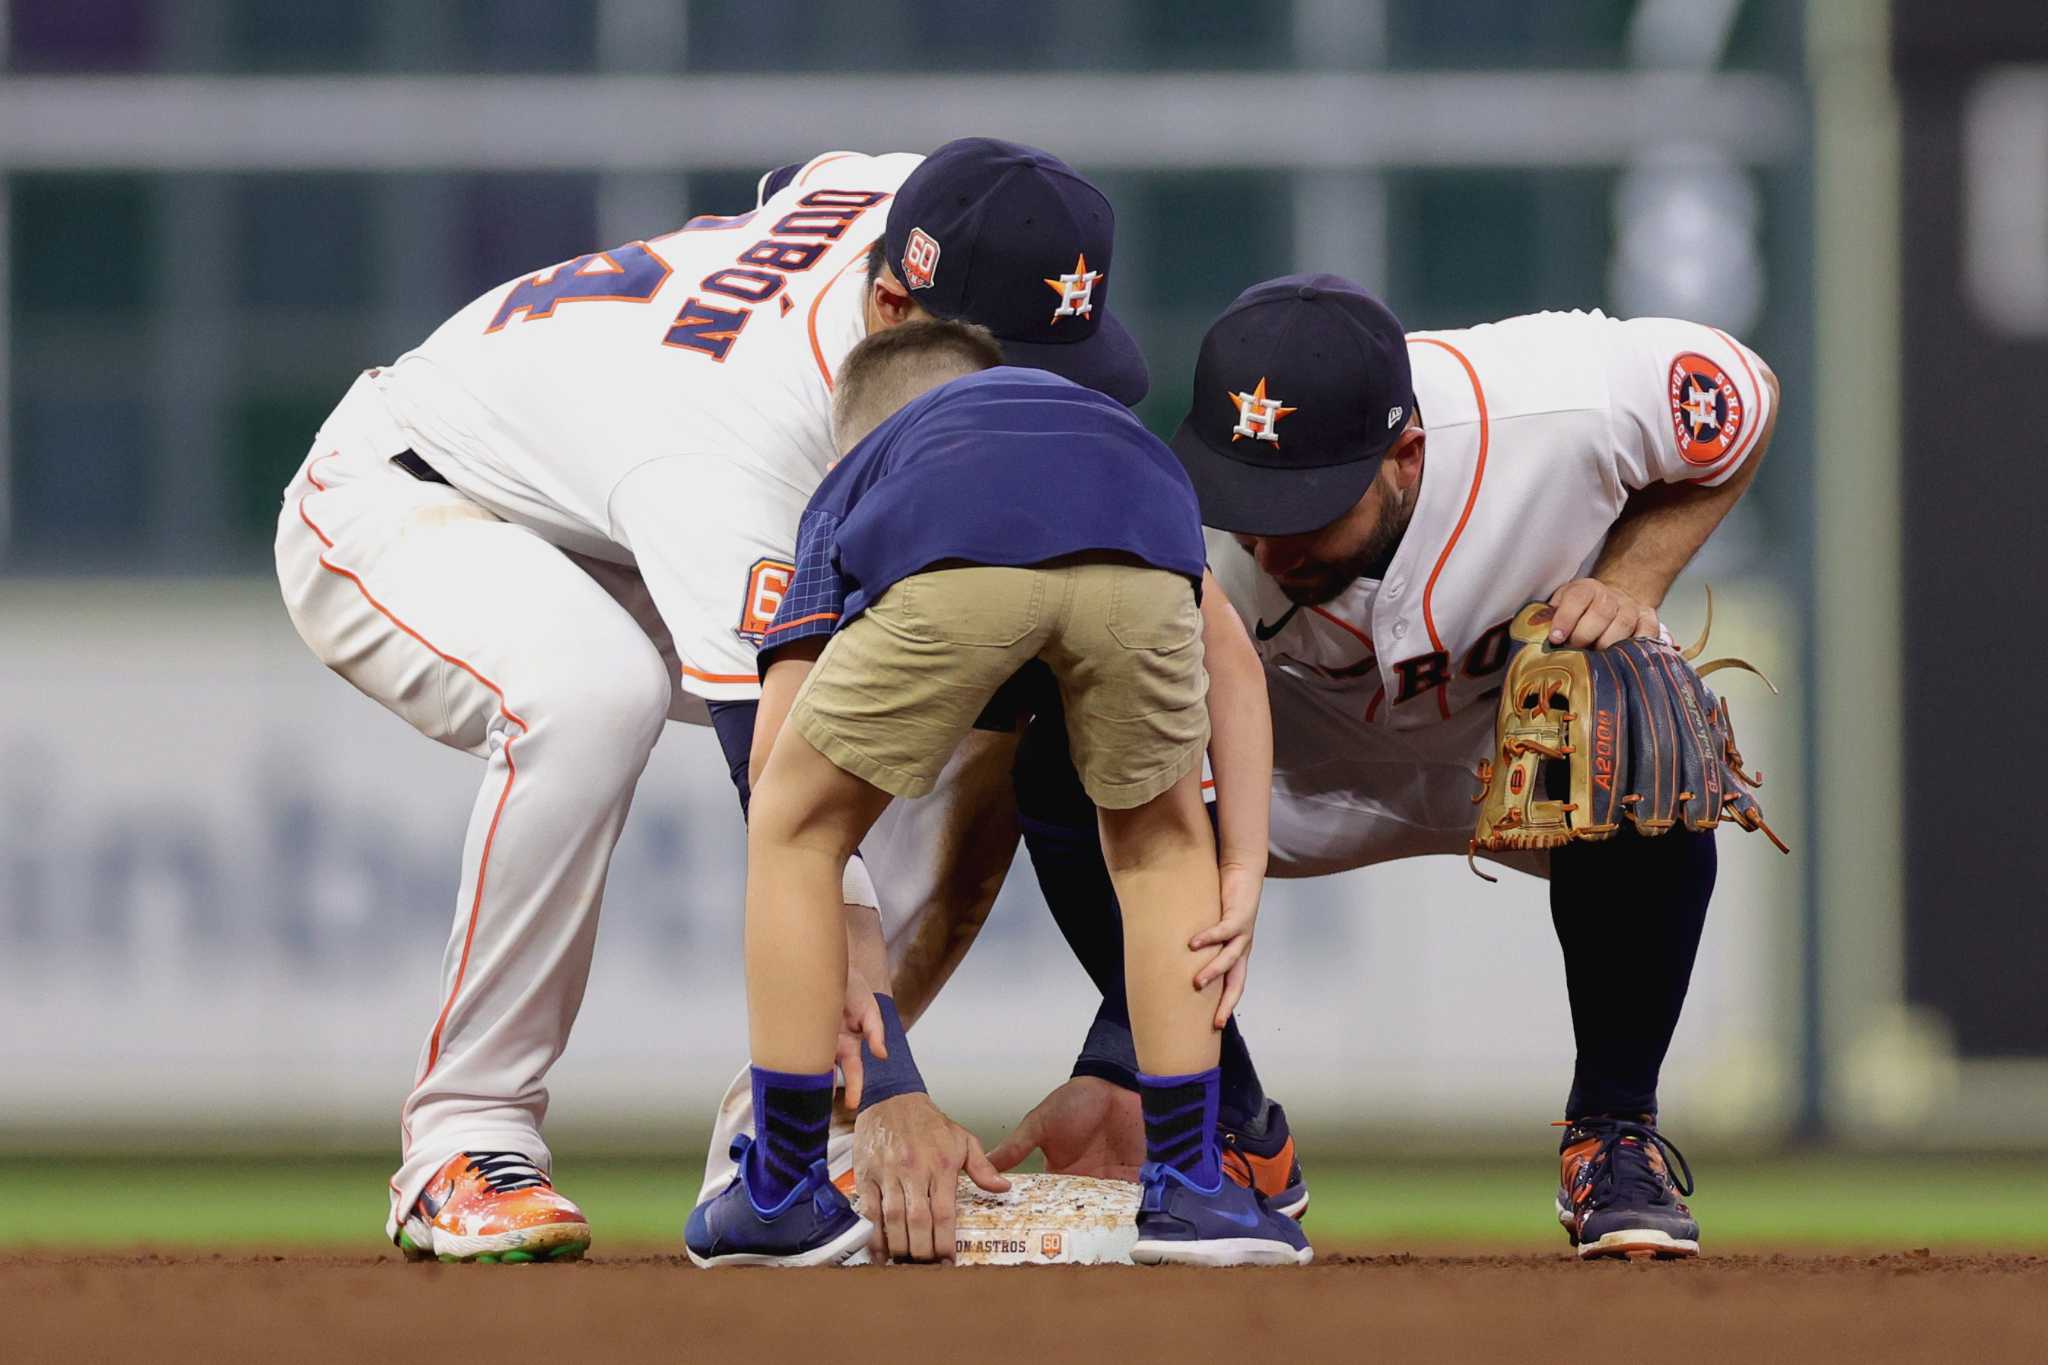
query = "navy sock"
x=792 y=1123
x=1180 y=1123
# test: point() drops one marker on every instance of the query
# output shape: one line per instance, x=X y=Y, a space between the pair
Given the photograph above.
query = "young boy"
x=1000 y=515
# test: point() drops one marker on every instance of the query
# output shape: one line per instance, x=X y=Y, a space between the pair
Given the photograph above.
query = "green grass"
x=1803 y=1201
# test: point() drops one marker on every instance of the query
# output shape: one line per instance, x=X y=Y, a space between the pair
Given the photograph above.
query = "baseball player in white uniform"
x=562 y=520
x=1383 y=504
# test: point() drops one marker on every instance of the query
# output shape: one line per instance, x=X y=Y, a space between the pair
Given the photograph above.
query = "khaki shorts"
x=897 y=689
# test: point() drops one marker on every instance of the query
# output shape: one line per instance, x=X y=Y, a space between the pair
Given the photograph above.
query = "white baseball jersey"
x=558 y=400
x=1538 y=429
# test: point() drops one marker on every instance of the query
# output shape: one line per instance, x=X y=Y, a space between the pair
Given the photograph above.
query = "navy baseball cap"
x=1012 y=238
x=1301 y=387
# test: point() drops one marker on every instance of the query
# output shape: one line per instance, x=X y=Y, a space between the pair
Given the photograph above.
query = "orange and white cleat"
x=1260 y=1156
x=493 y=1206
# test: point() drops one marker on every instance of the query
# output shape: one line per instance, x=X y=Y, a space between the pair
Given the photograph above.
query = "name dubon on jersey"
x=1538 y=428
x=718 y=339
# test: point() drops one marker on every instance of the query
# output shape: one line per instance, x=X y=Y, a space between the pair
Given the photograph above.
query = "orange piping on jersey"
x=1372 y=707
x=1443 y=700
x=802 y=621
x=804 y=176
x=1756 y=428
x=690 y=672
x=811 y=320
x=511 y=771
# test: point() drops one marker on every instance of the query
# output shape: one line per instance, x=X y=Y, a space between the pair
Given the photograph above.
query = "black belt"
x=418 y=468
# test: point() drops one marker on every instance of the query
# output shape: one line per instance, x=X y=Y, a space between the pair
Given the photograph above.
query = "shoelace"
x=505 y=1172
x=1635 y=1175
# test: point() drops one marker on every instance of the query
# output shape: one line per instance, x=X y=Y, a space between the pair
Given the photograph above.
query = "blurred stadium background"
x=225 y=879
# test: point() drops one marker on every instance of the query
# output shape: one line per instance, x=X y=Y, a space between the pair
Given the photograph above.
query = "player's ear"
x=890 y=303
x=1404 y=461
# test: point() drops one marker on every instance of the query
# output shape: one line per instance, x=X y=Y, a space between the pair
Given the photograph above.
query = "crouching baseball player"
x=998 y=516
x=1391 y=502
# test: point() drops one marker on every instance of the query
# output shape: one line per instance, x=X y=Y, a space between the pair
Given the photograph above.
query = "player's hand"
x=907 y=1160
x=1241 y=888
x=1591 y=614
x=1086 y=1127
x=862 y=1020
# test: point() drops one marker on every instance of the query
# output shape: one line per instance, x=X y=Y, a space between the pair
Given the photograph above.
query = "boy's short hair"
x=890 y=368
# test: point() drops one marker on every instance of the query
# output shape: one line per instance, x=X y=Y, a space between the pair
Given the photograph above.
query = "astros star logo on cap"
x=1076 y=291
x=1257 y=415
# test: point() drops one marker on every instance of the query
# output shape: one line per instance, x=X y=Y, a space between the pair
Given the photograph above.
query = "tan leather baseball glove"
x=1587 y=738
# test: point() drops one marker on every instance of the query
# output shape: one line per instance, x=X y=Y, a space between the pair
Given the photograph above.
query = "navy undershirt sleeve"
x=776 y=181
x=733 y=721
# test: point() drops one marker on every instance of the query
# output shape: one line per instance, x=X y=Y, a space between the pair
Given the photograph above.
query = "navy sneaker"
x=1180 y=1223
x=813 y=1225
x=1260 y=1155
x=1617 y=1196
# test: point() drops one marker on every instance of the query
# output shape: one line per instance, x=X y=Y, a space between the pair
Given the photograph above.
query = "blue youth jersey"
x=1006 y=467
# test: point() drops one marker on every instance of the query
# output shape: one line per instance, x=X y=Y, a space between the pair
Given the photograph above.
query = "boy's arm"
x=808 y=614
x=781 y=678
x=1240 y=733
x=1241 y=760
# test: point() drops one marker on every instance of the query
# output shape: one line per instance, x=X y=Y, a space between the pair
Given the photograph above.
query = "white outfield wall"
x=226 y=878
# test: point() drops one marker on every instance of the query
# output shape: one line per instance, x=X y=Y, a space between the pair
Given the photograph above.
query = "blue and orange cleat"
x=1617 y=1196
x=1260 y=1155
x=1180 y=1223
x=812 y=1225
x=493 y=1206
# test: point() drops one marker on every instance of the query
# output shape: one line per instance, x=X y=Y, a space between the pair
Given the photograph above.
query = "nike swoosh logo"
x=1262 y=631
x=1243 y=1220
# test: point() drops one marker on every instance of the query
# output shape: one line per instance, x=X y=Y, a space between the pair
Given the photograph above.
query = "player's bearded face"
x=1315 y=567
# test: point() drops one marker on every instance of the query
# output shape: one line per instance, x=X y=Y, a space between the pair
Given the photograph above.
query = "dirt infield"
x=1811 y=1309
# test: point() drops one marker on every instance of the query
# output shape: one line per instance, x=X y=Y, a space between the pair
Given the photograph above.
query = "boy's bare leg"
x=1162 y=861
x=808 y=817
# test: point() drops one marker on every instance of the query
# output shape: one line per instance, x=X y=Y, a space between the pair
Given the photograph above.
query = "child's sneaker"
x=1180 y=1223
x=812 y=1225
